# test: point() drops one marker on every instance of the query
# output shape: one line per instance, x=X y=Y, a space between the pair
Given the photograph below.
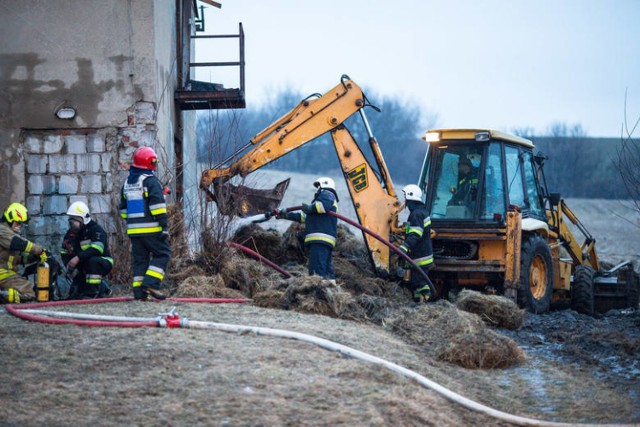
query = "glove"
x=306 y=208
x=165 y=235
x=281 y=214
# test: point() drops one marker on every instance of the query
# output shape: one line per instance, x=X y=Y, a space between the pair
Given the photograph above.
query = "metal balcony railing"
x=198 y=95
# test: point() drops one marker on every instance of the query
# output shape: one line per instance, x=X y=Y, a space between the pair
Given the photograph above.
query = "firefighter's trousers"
x=150 y=256
x=320 y=261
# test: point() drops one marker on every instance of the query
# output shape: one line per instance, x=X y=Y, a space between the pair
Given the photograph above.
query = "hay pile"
x=247 y=275
x=311 y=294
x=440 y=329
x=266 y=242
x=206 y=287
x=454 y=336
x=494 y=310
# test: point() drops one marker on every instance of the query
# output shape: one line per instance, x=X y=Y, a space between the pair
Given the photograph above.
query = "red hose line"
x=255 y=254
x=69 y=302
x=15 y=310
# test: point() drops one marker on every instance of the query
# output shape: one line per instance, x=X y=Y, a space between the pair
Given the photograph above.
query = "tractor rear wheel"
x=536 y=274
x=582 y=290
x=633 y=288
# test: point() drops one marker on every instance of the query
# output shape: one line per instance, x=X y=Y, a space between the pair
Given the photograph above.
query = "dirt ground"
x=577 y=369
x=560 y=366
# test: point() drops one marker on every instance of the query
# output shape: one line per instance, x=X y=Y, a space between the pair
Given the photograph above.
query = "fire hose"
x=172 y=320
x=255 y=254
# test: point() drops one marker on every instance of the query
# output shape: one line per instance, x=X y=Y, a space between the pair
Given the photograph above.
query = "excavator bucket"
x=245 y=201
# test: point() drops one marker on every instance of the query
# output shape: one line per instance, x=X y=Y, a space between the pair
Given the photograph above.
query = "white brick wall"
x=100 y=203
x=76 y=144
x=106 y=161
x=91 y=184
x=33 y=205
x=33 y=144
x=55 y=205
x=68 y=184
x=52 y=144
x=95 y=143
x=41 y=184
x=64 y=166
x=37 y=163
x=88 y=163
x=59 y=163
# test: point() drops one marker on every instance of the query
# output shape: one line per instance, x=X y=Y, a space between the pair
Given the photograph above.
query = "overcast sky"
x=500 y=64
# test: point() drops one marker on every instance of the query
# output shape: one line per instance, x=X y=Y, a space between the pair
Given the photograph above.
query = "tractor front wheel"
x=536 y=275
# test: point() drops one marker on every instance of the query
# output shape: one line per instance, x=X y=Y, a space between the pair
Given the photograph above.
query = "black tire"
x=582 y=290
x=633 y=288
x=536 y=275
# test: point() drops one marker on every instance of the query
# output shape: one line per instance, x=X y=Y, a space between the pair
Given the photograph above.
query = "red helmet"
x=145 y=158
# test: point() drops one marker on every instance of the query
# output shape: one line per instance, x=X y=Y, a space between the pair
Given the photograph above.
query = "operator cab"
x=474 y=175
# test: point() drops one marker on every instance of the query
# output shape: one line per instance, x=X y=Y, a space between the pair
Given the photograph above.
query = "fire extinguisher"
x=42 y=279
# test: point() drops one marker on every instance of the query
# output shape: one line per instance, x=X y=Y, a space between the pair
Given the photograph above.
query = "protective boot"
x=422 y=295
x=9 y=296
x=104 y=289
x=155 y=293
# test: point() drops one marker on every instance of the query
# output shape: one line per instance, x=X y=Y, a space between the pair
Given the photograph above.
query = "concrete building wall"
x=113 y=62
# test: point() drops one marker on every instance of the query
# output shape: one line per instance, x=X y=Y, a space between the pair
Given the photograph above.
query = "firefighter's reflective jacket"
x=320 y=227
x=142 y=203
x=89 y=242
x=417 y=243
x=15 y=250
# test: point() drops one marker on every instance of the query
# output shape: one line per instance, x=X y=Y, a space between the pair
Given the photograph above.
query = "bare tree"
x=628 y=161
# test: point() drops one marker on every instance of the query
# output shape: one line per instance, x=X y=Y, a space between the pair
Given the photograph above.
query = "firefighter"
x=85 y=252
x=320 y=227
x=143 y=205
x=15 y=250
x=464 y=192
x=417 y=244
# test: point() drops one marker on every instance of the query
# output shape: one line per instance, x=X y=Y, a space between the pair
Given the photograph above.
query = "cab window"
x=533 y=194
x=456 y=181
x=493 y=196
x=515 y=186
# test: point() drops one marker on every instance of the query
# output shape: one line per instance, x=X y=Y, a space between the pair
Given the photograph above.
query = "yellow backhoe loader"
x=497 y=228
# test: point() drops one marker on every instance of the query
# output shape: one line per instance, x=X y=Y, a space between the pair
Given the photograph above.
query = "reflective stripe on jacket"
x=14 y=250
x=417 y=242
x=142 y=203
x=89 y=242
x=320 y=227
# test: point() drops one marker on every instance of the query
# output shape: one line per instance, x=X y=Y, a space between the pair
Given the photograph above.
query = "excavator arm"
x=374 y=198
x=307 y=121
x=581 y=253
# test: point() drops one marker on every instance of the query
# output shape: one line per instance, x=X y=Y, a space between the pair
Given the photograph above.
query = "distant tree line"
x=398 y=129
x=577 y=166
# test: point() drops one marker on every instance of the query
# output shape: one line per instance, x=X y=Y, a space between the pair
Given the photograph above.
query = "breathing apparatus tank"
x=42 y=279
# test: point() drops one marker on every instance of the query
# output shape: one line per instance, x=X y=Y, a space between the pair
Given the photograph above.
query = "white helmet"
x=412 y=192
x=80 y=209
x=325 y=183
